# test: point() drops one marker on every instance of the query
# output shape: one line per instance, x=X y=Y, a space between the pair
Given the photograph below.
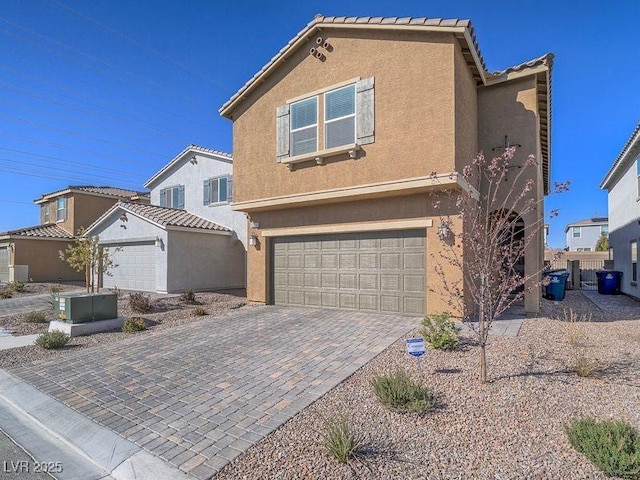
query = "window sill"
x=217 y=204
x=320 y=155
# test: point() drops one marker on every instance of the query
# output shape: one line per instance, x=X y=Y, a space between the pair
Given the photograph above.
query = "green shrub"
x=139 y=302
x=134 y=324
x=398 y=391
x=612 y=446
x=189 y=297
x=52 y=339
x=6 y=293
x=341 y=441
x=440 y=331
x=36 y=317
x=16 y=286
x=198 y=312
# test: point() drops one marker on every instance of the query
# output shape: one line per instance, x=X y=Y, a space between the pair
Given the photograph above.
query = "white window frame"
x=638 y=175
x=307 y=127
x=169 y=196
x=634 y=261
x=352 y=115
x=47 y=212
x=61 y=213
x=229 y=195
x=604 y=230
x=577 y=230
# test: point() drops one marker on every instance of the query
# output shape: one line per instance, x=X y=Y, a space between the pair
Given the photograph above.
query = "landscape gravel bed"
x=37 y=288
x=167 y=311
x=510 y=427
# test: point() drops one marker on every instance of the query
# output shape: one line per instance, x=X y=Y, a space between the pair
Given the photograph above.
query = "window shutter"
x=365 y=111
x=181 y=196
x=229 y=189
x=206 y=192
x=282 y=132
x=163 y=198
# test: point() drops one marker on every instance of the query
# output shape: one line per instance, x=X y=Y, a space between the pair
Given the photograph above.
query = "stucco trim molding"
x=406 y=186
x=406 y=224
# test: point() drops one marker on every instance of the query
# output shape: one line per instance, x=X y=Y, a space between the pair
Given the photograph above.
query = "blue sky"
x=106 y=92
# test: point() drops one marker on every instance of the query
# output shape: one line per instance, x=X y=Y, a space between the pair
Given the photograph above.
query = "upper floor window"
x=340 y=117
x=604 y=230
x=304 y=126
x=47 y=214
x=61 y=209
x=217 y=190
x=638 y=173
x=347 y=120
x=577 y=232
x=172 y=197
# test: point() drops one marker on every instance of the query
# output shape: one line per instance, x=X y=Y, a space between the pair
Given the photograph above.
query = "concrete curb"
x=17 y=341
x=52 y=432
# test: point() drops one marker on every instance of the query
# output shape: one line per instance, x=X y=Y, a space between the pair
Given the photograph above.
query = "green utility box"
x=86 y=307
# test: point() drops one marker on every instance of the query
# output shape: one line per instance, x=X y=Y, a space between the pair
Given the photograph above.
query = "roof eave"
x=631 y=148
x=227 y=109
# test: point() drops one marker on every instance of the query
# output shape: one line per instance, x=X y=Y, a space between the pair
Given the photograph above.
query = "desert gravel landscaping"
x=168 y=311
x=511 y=427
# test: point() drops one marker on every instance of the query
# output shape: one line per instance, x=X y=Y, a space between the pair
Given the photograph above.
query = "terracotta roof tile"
x=40 y=231
x=169 y=217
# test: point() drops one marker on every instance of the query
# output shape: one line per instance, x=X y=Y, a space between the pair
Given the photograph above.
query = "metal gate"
x=588 y=268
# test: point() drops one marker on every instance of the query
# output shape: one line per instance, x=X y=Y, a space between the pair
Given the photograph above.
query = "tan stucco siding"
x=414 y=113
x=466 y=113
x=511 y=109
x=339 y=216
x=43 y=259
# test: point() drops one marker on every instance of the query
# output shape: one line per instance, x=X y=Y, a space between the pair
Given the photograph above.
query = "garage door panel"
x=372 y=271
x=135 y=267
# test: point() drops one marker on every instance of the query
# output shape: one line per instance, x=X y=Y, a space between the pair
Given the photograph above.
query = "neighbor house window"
x=47 y=213
x=172 y=197
x=340 y=117
x=604 y=230
x=638 y=173
x=217 y=190
x=61 y=205
x=634 y=261
x=583 y=249
x=577 y=232
x=304 y=126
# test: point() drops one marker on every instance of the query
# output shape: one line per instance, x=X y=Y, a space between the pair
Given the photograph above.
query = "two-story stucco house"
x=32 y=253
x=335 y=141
x=188 y=238
x=582 y=236
x=623 y=185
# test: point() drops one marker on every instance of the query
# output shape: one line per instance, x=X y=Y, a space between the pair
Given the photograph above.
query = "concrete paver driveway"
x=199 y=395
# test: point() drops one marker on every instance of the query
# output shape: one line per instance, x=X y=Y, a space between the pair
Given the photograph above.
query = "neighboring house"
x=32 y=253
x=335 y=141
x=188 y=239
x=623 y=184
x=582 y=236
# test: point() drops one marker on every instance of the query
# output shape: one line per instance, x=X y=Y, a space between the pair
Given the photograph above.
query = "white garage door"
x=136 y=267
x=4 y=264
x=372 y=271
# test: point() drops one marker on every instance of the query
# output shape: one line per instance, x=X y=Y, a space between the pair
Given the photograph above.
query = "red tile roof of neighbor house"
x=39 y=231
x=164 y=217
x=104 y=190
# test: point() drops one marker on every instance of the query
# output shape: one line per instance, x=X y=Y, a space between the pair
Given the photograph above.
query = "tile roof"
x=40 y=231
x=633 y=143
x=191 y=148
x=102 y=190
x=166 y=217
x=546 y=59
x=588 y=221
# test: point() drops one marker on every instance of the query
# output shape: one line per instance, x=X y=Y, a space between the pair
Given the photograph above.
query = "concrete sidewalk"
x=12 y=306
x=613 y=303
x=9 y=341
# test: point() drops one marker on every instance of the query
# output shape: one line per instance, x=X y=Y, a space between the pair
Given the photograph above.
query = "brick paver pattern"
x=199 y=395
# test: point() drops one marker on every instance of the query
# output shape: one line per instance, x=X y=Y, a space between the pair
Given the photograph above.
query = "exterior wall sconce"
x=444 y=231
x=253 y=240
x=159 y=243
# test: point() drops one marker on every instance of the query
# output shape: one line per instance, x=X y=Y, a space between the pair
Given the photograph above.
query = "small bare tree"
x=86 y=254
x=494 y=239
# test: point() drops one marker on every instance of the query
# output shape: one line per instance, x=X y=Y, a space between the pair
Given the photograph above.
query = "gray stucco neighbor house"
x=187 y=239
x=583 y=235
x=623 y=184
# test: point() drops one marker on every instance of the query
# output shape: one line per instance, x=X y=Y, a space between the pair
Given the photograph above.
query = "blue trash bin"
x=556 y=287
x=609 y=282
